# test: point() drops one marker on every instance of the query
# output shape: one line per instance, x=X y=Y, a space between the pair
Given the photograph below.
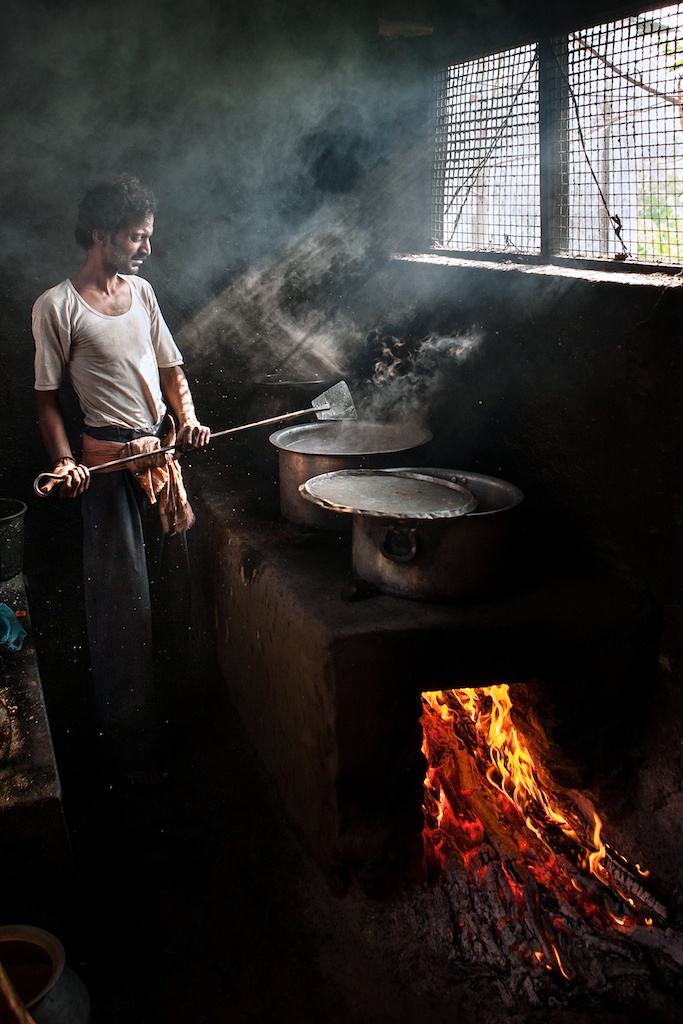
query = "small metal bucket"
x=12 y=512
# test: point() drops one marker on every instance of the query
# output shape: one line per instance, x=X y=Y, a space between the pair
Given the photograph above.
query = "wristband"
x=64 y=460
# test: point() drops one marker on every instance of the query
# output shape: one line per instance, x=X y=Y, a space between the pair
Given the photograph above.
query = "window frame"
x=550 y=83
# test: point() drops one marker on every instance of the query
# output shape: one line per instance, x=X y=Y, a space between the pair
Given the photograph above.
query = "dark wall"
x=569 y=387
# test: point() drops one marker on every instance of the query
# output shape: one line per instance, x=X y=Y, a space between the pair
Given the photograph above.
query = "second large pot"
x=309 y=449
x=458 y=559
x=435 y=556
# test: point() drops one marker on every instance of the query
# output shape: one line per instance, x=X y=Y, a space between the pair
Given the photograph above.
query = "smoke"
x=264 y=129
x=430 y=358
x=244 y=119
x=406 y=380
x=303 y=311
x=286 y=315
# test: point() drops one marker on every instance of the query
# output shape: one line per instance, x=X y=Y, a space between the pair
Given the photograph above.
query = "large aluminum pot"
x=415 y=542
x=309 y=449
x=456 y=559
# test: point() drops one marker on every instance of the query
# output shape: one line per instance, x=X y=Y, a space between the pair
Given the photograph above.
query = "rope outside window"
x=614 y=219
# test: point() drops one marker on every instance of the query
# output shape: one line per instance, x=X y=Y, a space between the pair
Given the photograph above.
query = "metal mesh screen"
x=486 y=188
x=622 y=138
x=611 y=99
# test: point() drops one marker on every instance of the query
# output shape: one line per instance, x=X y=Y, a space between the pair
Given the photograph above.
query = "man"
x=105 y=330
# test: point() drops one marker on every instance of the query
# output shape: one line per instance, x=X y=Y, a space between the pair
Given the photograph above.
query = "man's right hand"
x=74 y=479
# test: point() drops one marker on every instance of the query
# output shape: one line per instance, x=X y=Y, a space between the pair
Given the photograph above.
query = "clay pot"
x=34 y=961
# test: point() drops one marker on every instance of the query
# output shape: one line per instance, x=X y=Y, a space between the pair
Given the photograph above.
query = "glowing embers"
x=521 y=860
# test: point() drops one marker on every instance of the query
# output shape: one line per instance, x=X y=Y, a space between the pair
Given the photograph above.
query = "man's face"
x=130 y=246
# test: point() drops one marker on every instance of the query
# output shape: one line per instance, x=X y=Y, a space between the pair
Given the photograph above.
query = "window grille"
x=601 y=111
x=487 y=180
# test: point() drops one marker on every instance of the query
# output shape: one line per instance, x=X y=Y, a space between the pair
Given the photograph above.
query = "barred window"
x=569 y=147
x=487 y=166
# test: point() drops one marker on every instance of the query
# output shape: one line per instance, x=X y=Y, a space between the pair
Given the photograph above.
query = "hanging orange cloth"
x=159 y=475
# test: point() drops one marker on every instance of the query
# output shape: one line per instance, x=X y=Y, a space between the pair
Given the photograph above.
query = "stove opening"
x=535 y=892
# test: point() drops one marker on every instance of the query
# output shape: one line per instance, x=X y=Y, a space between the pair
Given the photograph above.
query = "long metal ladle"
x=334 y=404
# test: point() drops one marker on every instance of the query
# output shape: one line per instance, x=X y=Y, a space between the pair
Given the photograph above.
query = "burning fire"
x=512 y=770
x=470 y=733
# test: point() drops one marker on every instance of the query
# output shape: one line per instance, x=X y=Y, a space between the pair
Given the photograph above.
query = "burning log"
x=666 y=941
x=622 y=879
x=534 y=891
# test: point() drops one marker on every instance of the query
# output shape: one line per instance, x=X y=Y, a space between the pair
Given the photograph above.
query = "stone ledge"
x=30 y=789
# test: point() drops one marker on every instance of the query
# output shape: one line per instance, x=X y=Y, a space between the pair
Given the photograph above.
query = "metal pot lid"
x=394 y=494
x=349 y=437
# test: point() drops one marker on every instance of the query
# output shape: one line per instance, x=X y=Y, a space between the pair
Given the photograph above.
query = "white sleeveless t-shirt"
x=113 y=362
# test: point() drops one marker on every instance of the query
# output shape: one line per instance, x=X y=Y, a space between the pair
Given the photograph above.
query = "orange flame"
x=513 y=771
x=469 y=733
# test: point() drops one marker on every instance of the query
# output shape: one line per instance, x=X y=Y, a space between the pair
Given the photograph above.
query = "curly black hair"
x=113 y=204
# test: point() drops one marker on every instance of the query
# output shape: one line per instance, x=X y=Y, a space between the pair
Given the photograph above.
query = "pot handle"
x=398 y=543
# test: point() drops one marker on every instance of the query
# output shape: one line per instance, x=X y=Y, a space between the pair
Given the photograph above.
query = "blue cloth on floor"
x=12 y=633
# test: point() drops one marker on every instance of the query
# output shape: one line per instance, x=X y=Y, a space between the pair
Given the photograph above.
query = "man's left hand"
x=191 y=435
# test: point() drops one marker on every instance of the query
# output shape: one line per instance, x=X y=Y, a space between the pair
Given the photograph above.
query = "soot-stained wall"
x=247 y=120
x=571 y=390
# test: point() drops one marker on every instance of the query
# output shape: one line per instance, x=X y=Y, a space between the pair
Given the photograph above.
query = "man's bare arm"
x=191 y=433
x=56 y=441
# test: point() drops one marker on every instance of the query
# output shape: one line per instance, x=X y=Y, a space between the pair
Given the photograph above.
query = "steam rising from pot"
x=400 y=378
